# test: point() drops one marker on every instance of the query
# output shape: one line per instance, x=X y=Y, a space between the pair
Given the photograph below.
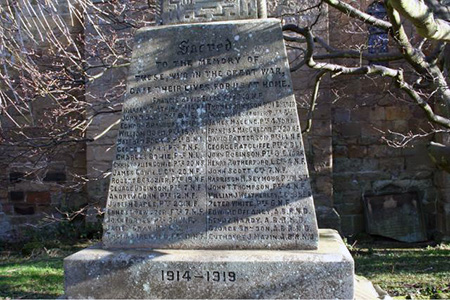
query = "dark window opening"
x=378 y=37
x=55 y=176
x=16 y=196
x=15 y=177
x=23 y=210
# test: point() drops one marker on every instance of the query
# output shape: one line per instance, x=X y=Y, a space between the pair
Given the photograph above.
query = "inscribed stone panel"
x=397 y=216
x=209 y=153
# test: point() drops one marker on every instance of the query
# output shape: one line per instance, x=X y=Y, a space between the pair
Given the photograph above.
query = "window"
x=378 y=37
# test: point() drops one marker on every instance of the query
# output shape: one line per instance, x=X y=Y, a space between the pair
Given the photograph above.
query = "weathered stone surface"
x=209 y=153
x=396 y=216
x=5 y=225
x=196 y=11
x=192 y=274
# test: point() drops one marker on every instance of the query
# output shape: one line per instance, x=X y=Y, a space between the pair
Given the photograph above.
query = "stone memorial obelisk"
x=210 y=193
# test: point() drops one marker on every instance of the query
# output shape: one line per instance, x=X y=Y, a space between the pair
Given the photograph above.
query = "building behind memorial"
x=350 y=163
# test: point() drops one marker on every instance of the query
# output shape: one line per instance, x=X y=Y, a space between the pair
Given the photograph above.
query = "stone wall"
x=364 y=165
x=442 y=183
x=32 y=183
x=364 y=112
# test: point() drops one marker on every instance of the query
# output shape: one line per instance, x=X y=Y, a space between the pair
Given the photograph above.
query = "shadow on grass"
x=26 y=295
x=32 y=279
x=406 y=272
x=39 y=276
x=433 y=261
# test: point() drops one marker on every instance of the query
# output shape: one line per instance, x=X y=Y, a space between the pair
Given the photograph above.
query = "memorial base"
x=232 y=274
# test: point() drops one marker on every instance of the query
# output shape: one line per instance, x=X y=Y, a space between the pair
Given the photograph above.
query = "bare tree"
x=421 y=59
x=50 y=50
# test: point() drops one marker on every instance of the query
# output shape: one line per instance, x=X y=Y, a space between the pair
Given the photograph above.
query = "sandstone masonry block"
x=345 y=182
x=24 y=209
x=101 y=153
x=398 y=113
x=357 y=151
x=321 y=127
x=340 y=151
x=350 y=208
x=7 y=209
x=382 y=151
x=445 y=198
x=368 y=113
x=400 y=125
x=352 y=224
x=349 y=198
x=395 y=164
x=38 y=197
x=348 y=129
x=442 y=179
x=323 y=200
x=347 y=225
x=323 y=184
x=341 y=115
x=343 y=165
x=323 y=109
x=358 y=223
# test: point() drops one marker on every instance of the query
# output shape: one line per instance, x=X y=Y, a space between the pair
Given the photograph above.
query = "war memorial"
x=210 y=194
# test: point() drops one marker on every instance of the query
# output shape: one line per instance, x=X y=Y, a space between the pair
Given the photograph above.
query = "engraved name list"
x=209 y=152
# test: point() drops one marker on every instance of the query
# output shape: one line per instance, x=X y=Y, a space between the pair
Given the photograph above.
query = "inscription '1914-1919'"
x=210 y=276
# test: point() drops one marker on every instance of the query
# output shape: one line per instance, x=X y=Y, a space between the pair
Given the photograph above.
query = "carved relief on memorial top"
x=196 y=11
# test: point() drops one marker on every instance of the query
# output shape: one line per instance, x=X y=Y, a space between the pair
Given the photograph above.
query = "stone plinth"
x=324 y=273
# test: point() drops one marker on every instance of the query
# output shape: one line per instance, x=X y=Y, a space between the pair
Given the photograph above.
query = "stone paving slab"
x=365 y=290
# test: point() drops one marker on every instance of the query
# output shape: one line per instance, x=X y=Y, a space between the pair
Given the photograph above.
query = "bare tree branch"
x=423 y=19
x=360 y=55
x=313 y=102
x=356 y=13
x=416 y=58
x=402 y=140
x=396 y=74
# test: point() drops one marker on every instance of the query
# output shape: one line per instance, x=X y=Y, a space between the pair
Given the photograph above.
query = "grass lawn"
x=39 y=275
x=416 y=272
x=41 y=278
x=406 y=272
